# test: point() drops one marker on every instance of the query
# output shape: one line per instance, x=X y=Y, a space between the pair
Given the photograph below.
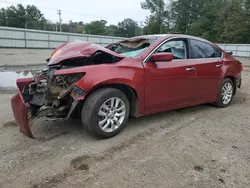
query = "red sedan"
x=135 y=77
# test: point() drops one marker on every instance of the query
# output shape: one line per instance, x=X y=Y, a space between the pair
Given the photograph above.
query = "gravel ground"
x=200 y=146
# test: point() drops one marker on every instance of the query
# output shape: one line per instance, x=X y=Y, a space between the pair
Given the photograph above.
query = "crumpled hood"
x=77 y=49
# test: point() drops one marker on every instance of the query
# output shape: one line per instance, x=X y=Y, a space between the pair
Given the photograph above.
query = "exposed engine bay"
x=56 y=93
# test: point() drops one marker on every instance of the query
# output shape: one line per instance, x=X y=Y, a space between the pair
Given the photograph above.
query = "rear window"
x=218 y=52
x=202 y=50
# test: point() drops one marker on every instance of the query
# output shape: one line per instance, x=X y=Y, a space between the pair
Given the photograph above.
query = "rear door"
x=169 y=84
x=208 y=70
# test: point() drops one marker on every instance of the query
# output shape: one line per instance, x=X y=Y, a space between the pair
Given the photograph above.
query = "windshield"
x=132 y=47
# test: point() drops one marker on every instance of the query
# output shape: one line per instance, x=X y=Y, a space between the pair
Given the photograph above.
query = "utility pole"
x=141 y=26
x=26 y=20
x=60 y=19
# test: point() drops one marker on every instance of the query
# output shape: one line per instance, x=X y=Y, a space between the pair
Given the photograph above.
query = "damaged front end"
x=45 y=94
x=53 y=92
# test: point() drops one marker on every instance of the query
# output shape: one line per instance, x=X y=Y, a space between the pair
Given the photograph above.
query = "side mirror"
x=162 y=56
x=229 y=52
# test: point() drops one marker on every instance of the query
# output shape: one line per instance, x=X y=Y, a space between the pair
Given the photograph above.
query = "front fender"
x=97 y=76
x=88 y=87
x=132 y=77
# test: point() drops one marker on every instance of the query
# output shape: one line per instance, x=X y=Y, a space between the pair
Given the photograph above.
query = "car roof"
x=158 y=36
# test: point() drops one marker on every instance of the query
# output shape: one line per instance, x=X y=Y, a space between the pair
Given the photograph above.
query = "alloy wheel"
x=111 y=114
x=227 y=93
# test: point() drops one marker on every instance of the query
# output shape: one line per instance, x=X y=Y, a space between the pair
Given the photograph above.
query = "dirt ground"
x=201 y=146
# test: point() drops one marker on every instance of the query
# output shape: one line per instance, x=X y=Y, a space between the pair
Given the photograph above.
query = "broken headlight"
x=67 y=80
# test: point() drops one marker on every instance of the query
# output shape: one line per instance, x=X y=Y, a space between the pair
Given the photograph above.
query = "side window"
x=201 y=50
x=218 y=52
x=177 y=47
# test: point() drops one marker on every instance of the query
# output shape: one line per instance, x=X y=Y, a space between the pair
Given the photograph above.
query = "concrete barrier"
x=27 y=38
x=239 y=50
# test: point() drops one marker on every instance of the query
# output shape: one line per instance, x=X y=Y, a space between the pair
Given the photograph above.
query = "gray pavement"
x=17 y=57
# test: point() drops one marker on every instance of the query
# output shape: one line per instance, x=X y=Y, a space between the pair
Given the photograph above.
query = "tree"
x=80 y=27
x=207 y=24
x=113 y=30
x=22 y=17
x=34 y=18
x=73 y=27
x=247 y=9
x=234 y=25
x=151 y=25
x=184 y=13
x=158 y=15
x=128 y=28
x=96 y=27
x=198 y=17
x=3 y=17
x=49 y=26
x=247 y=5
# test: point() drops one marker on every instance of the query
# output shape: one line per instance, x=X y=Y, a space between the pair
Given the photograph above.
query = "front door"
x=170 y=84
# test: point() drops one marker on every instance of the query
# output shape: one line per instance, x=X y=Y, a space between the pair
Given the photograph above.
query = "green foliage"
x=217 y=20
x=206 y=21
x=234 y=23
x=152 y=27
x=96 y=27
x=155 y=23
x=22 y=17
x=3 y=17
x=73 y=27
x=247 y=5
x=127 y=28
x=113 y=30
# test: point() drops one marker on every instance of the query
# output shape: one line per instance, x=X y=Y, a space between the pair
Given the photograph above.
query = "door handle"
x=219 y=66
x=190 y=69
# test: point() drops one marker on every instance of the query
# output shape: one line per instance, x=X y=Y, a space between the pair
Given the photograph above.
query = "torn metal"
x=54 y=89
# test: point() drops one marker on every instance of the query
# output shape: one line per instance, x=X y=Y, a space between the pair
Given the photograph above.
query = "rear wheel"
x=105 y=112
x=225 y=94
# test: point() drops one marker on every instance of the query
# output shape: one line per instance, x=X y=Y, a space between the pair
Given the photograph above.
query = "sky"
x=113 y=11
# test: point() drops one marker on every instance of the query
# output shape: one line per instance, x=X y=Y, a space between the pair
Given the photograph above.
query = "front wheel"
x=226 y=93
x=105 y=112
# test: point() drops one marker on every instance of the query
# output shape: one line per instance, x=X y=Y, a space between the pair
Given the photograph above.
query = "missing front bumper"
x=21 y=113
x=25 y=114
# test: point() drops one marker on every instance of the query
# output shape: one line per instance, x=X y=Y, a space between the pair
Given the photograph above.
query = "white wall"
x=22 y=38
x=239 y=50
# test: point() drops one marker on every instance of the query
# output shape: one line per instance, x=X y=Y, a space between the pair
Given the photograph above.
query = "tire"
x=221 y=103
x=95 y=103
